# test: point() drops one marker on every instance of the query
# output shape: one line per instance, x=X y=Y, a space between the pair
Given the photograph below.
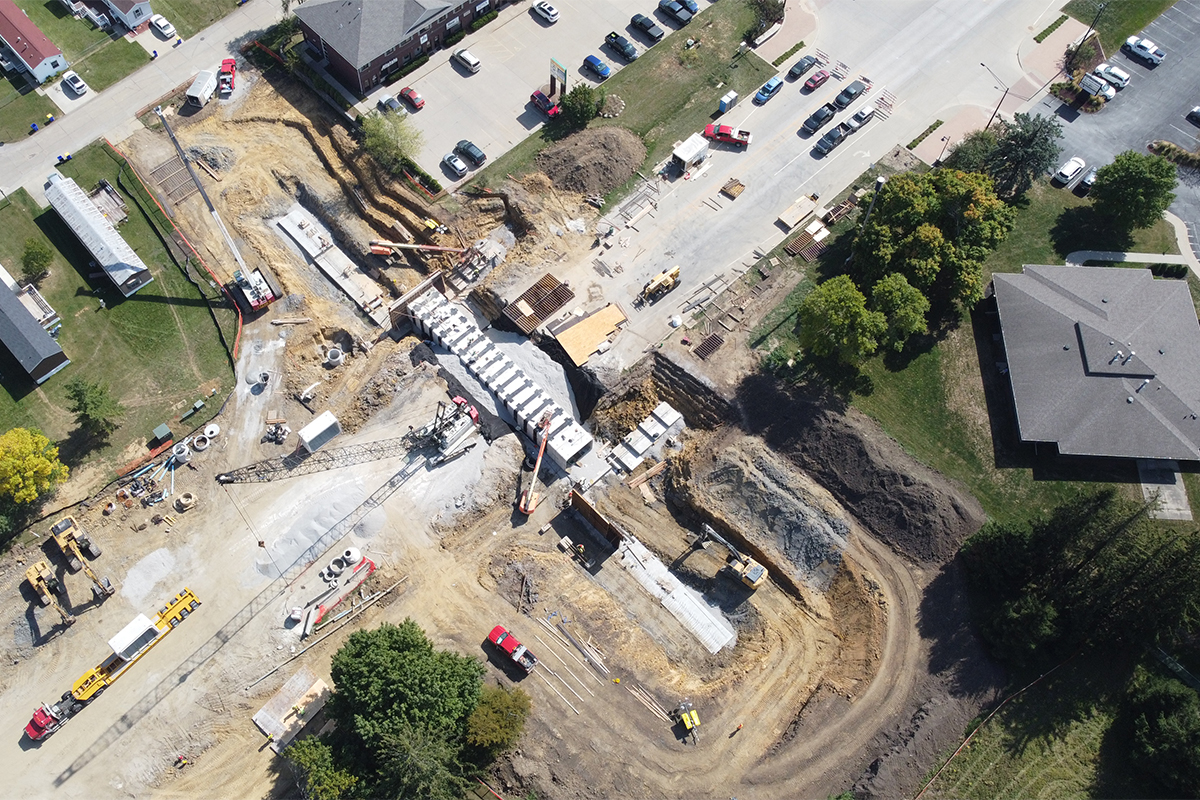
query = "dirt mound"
x=594 y=161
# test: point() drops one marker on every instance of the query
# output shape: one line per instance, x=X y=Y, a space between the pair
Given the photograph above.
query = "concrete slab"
x=285 y=714
x=1162 y=479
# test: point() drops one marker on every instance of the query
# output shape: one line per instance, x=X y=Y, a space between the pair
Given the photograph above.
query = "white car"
x=1114 y=75
x=163 y=26
x=1070 y=170
x=455 y=164
x=1106 y=89
x=546 y=11
x=1145 y=49
x=75 y=82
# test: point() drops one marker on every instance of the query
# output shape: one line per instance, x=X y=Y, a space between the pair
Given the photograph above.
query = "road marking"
x=1191 y=136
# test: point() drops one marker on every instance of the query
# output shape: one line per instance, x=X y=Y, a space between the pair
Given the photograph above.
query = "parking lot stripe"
x=1186 y=134
x=1161 y=32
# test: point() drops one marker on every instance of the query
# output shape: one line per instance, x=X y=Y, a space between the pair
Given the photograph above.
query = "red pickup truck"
x=228 y=76
x=725 y=133
x=509 y=645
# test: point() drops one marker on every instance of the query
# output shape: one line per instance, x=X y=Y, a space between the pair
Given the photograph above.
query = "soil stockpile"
x=593 y=161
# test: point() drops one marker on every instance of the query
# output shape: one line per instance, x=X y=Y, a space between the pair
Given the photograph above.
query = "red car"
x=819 y=77
x=413 y=97
x=545 y=104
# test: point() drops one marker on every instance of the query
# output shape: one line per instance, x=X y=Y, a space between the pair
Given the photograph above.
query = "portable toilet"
x=728 y=102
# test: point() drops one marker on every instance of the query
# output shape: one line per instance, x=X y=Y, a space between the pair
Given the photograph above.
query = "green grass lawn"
x=111 y=63
x=192 y=16
x=1120 y=19
x=18 y=110
x=159 y=350
x=670 y=92
x=75 y=37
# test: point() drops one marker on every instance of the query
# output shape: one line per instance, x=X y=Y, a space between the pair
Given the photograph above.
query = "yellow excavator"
x=742 y=567
x=71 y=538
x=45 y=584
x=659 y=285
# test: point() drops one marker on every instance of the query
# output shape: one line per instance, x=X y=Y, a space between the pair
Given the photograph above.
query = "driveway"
x=1153 y=106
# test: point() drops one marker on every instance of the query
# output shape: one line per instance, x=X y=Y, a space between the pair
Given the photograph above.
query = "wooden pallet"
x=813 y=250
x=794 y=247
x=173 y=176
x=708 y=346
x=538 y=303
x=732 y=188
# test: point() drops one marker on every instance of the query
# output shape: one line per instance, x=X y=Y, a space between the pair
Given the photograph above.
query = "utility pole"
x=1071 y=61
x=879 y=182
x=1007 y=89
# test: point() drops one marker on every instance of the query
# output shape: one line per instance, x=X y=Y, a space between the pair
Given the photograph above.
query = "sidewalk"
x=799 y=24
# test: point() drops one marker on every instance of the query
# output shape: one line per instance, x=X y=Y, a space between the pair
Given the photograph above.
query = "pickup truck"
x=1146 y=50
x=508 y=644
x=819 y=117
x=830 y=140
x=622 y=46
x=727 y=134
x=228 y=76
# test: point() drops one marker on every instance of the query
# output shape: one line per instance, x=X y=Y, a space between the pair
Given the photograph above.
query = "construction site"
x=732 y=588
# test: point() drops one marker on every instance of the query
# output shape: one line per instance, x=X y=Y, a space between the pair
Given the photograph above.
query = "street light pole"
x=946 y=143
x=1096 y=19
x=879 y=182
x=1004 y=96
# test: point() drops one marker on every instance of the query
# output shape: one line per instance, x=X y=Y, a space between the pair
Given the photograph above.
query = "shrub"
x=454 y=38
x=408 y=68
x=1041 y=37
x=791 y=52
x=484 y=20
x=936 y=124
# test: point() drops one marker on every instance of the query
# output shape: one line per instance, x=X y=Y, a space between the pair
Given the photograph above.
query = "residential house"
x=32 y=50
x=25 y=318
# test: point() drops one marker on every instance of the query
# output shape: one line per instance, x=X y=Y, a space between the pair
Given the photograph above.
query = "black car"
x=830 y=140
x=819 y=117
x=623 y=46
x=675 y=11
x=849 y=94
x=470 y=152
x=802 y=66
x=647 y=26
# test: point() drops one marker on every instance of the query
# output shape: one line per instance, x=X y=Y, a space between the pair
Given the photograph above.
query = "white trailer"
x=319 y=432
x=202 y=88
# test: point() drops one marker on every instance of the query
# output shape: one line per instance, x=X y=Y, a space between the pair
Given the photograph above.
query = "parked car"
x=819 y=118
x=1194 y=115
x=1088 y=180
x=862 y=117
x=1070 y=170
x=545 y=104
x=1104 y=89
x=469 y=61
x=413 y=97
x=1145 y=49
x=849 y=94
x=769 y=90
x=826 y=143
x=1114 y=75
x=454 y=164
x=75 y=82
x=469 y=151
x=597 y=66
x=675 y=11
x=691 y=6
x=160 y=24
x=802 y=66
x=647 y=26
x=623 y=46
x=546 y=11
x=389 y=103
x=817 y=80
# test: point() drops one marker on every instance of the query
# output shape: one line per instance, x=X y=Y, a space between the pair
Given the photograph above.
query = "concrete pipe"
x=212 y=431
x=335 y=357
x=297 y=614
x=200 y=443
x=352 y=556
x=110 y=508
x=182 y=453
x=185 y=501
x=336 y=567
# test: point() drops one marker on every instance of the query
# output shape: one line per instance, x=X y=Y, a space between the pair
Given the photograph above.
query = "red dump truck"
x=727 y=134
x=508 y=644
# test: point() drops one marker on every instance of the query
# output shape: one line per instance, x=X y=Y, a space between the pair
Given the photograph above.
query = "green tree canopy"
x=94 y=407
x=835 y=321
x=1025 y=150
x=1135 y=189
x=1166 y=731
x=391 y=138
x=36 y=258
x=581 y=105
x=972 y=153
x=904 y=307
x=497 y=722
x=29 y=465
x=935 y=229
x=319 y=777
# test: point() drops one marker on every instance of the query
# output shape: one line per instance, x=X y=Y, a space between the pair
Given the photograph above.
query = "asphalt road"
x=1154 y=106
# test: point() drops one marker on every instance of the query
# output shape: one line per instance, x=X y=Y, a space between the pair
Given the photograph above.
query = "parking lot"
x=492 y=107
x=1153 y=106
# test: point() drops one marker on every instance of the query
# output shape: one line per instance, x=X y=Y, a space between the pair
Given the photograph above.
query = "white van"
x=465 y=58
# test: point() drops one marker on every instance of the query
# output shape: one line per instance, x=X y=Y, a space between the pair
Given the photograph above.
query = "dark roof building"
x=366 y=40
x=26 y=339
x=112 y=253
x=1103 y=361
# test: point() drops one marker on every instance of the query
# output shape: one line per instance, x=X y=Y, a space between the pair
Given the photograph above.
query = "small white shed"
x=319 y=432
x=691 y=152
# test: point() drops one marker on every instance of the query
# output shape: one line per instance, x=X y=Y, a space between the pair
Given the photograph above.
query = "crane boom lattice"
x=303 y=463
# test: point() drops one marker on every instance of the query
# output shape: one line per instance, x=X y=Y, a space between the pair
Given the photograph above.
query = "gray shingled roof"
x=23 y=336
x=1104 y=361
x=362 y=30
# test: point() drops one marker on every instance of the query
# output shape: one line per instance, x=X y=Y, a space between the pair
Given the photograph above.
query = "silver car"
x=455 y=164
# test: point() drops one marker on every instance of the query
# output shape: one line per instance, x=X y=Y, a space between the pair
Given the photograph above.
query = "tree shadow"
x=78 y=446
x=1116 y=776
x=1082 y=228
x=955 y=652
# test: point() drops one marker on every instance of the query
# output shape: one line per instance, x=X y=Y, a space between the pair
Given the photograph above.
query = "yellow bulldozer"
x=46 y=585
x=72 y=539
x=659 y=285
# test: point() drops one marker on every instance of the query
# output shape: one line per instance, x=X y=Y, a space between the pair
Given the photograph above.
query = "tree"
x=972 y=153
x=419 y=763
x=904 y=307
x=35 y=261
x=1135 y=189
x=319 y=778
x=94 y=407
x=935 y=229
x=1025 y=150
x=29 y=465
x=391 y=138
x=497 y=722
x=581 y=105
x=834 y=321
x=1166 y=731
